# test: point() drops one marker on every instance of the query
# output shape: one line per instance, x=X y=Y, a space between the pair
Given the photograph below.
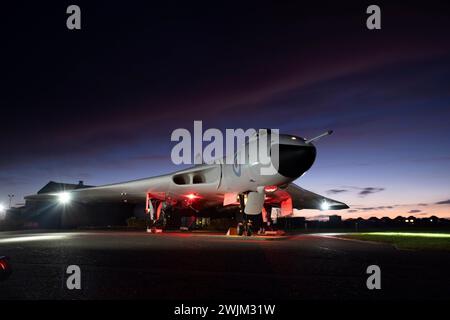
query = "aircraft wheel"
x=240 y=229
x=163 y=217
x=248 y=229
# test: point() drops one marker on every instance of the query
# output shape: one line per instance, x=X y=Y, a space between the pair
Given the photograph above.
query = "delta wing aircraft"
x=220 y=185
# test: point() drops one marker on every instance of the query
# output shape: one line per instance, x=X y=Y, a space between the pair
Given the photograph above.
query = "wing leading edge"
x=304 y=199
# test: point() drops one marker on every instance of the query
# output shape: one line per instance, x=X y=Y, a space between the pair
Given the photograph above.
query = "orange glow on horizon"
x=406 y=211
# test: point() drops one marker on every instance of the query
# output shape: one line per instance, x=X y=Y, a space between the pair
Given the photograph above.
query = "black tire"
x=269 y=216
x=240 y=229
x=164 y=216
x=249 y=232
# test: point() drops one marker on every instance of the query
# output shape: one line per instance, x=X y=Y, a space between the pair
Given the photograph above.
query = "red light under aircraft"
x=219 y=185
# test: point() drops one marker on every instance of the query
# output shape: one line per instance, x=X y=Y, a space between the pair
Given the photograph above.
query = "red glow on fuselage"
x=191 y=196
x=270 y=188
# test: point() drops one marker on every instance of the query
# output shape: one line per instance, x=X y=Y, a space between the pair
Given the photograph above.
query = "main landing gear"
x=244 y=228
x=248 y=225
x=157 y=217
x=245 y=224
x=266 y=222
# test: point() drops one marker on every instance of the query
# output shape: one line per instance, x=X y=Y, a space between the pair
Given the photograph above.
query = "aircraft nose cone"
x=294 y=160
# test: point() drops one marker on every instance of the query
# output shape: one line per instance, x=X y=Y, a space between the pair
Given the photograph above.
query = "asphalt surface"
x=137 y=265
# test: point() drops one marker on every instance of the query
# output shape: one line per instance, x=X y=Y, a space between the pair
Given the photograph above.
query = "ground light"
x=64 y=197
x=324 y=205
x=2 y=211
x=406 y=240
x=411 y=234
x=31 y=238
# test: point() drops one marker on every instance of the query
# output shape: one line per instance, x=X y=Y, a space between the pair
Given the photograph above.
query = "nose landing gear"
x=245 y=225
x=248 y=225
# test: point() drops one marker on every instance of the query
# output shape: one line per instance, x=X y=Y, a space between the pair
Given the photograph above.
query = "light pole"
x=10 y=196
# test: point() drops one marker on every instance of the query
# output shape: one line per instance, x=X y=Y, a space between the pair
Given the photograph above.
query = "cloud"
x=364 y=191
x=336 y=191
x=414 y=211
x=376 y=208
x=352 y=210
x=423 y=204
x=369 y=190
x=318 y=217
x=444 y=202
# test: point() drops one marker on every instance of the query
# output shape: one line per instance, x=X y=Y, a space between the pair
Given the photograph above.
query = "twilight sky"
x=99 y=104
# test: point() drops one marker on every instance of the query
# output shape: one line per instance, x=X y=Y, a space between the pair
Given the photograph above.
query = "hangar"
x=51 y=214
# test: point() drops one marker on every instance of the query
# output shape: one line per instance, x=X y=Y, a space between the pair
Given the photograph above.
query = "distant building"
x=291 y=222
x=335 y=219
x=410 y=220
x=47 y=213
x=399 y=220
x=53 y=187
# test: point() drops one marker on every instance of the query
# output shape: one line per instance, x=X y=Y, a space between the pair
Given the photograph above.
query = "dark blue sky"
x=99 y=104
